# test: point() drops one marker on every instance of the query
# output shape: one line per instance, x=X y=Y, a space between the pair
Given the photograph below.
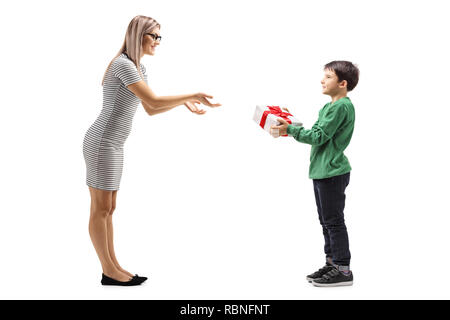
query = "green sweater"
x=328 y=138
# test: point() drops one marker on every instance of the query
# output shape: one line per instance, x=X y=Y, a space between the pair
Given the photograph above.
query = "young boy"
x=330 y=169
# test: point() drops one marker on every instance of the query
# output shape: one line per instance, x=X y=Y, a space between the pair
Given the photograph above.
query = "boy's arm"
x=324 y=128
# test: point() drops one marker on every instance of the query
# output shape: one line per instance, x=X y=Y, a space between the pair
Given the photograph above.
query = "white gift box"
x=266 y=117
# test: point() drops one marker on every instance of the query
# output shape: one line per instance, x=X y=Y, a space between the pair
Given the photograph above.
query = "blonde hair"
x=132 y=45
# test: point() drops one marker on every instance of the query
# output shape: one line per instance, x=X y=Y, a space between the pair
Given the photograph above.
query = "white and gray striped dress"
x=104 y=140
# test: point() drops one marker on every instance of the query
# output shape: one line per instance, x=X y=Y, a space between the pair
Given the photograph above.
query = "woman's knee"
x=102 y=203
x=101 y=211
x=113 y=202
x=113 y=207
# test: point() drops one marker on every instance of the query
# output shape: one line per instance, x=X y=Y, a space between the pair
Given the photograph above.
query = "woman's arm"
x=190 y=105
x=143 y=92
x=152 y=111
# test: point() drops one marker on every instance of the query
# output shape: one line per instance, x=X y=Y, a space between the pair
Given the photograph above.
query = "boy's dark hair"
x=345 y=70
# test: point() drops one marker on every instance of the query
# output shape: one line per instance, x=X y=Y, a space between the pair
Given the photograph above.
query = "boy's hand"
x=282 y=128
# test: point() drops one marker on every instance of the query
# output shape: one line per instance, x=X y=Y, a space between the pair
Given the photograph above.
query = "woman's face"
x=149 y=44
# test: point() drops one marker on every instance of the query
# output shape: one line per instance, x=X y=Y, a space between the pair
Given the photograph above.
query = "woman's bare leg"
x=110 y=232
x=101 y=204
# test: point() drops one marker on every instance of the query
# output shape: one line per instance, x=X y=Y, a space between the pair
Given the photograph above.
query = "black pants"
x=330 y=200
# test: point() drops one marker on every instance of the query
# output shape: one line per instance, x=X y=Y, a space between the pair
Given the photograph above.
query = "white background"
x=212 y=207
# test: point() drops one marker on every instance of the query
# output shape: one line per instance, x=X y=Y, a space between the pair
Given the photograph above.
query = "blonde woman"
x=124 y=86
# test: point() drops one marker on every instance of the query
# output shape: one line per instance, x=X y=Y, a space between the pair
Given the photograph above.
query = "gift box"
x=266 y=117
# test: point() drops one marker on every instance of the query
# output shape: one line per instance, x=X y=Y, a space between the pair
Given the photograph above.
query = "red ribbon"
x=275 y=110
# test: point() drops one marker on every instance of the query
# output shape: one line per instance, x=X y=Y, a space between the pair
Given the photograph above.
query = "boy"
x=330 y=169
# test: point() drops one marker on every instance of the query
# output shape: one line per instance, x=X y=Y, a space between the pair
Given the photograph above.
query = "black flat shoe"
x=139 y=279
x=107 y=281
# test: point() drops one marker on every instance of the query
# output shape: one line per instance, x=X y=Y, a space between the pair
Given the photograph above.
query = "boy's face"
x=331 y=84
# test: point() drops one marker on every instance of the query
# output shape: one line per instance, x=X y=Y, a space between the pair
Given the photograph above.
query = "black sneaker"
x=319 y=273
x=334 y=278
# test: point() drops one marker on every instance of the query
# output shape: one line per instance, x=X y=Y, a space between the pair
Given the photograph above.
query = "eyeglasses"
x=155 y=37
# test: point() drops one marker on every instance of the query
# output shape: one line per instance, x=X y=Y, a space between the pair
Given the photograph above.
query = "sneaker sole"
x=310 y=280
x=338 y=284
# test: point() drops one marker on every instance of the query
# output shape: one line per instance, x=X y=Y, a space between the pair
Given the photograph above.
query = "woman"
x=124 y=86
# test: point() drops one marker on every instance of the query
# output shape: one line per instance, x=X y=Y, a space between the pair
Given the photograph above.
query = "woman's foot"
x=125 y=271
x=117 y=275
x=140 y=279
x=108 y=281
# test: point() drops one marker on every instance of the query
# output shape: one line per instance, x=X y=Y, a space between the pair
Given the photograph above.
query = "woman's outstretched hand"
x=203 y=99
x=193 y=108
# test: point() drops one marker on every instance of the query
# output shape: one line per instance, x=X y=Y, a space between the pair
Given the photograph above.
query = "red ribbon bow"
x=275 y=110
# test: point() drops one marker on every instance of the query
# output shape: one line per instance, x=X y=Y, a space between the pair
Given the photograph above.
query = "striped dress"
x=104 y=140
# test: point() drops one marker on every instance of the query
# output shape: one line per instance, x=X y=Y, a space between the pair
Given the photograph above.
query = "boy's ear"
x=343 y=84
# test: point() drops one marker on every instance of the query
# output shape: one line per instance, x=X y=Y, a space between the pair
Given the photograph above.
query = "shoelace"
x=331 y=274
